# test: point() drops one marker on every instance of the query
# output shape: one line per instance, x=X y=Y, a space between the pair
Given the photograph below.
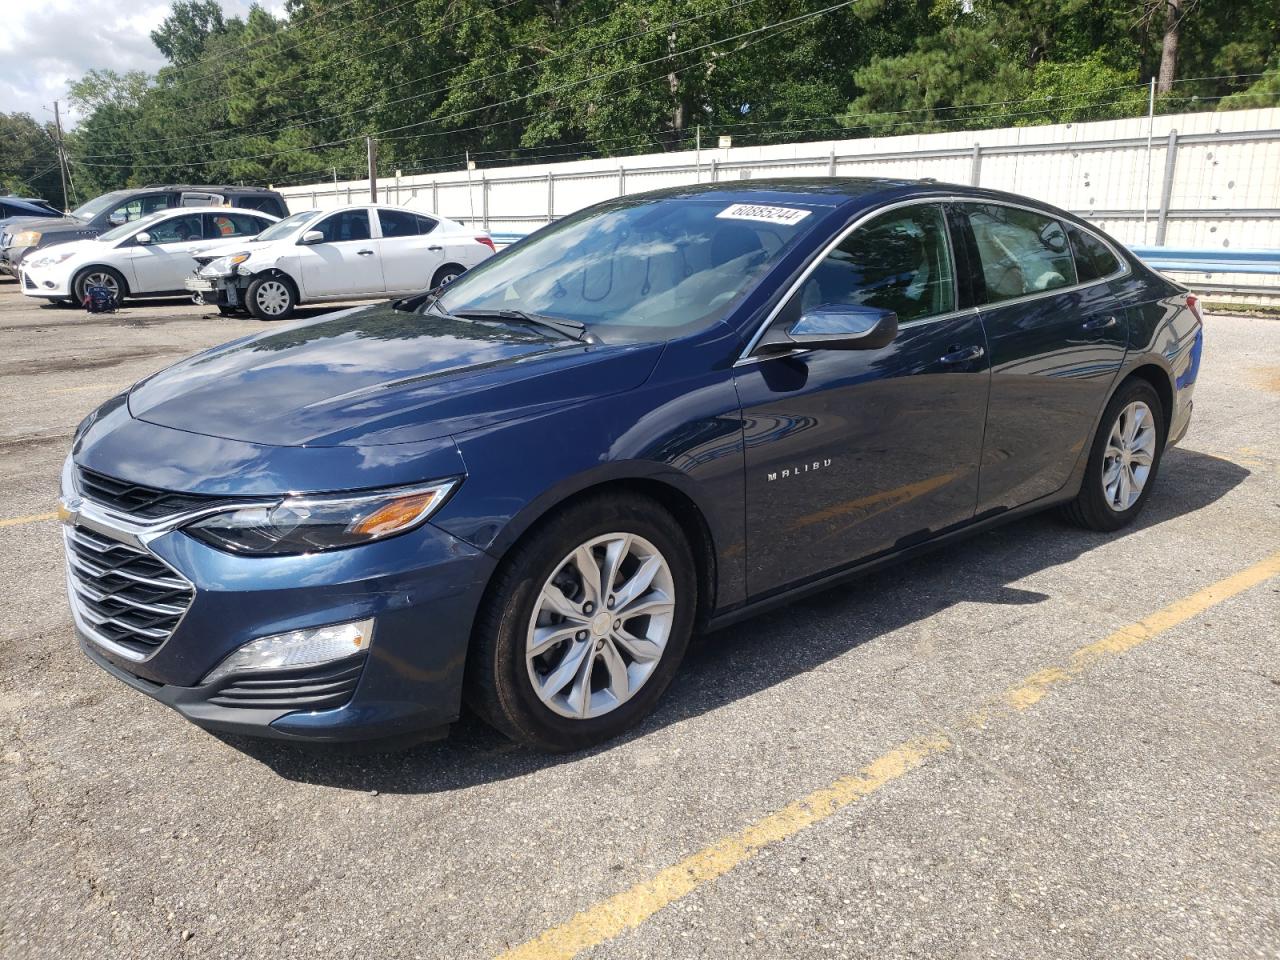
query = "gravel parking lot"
x=1041 y=743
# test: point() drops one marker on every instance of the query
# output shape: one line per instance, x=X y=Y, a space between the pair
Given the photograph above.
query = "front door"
x=852 y=453
x=345 y=263
x=1057 y=339
x=161 y=265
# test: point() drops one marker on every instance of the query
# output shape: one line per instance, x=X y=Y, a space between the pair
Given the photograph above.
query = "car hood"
x=376 y=375
x=52 y=225
x=78 y=248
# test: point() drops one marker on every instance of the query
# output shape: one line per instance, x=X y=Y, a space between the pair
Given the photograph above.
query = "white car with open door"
x=369 y=250
x=149 y=257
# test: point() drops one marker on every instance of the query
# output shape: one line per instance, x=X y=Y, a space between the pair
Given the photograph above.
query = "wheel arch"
x=461 y=269
x=663 y=490
x=88 y=267
x=277 y=273
x=1161 y=381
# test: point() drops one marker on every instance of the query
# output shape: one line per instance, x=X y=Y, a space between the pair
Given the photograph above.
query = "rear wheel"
x=113 y=280
x=585 y=624
x=271 y=298
x=1123 y=460
x=447 y=274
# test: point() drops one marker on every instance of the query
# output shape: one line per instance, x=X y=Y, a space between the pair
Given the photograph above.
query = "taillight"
x=488 y=242
x=1193 y=304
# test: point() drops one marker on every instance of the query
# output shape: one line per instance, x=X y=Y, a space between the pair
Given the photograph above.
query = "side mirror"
x=838 y=326
x=312 y=236
x=117 y=220
x=143 y=238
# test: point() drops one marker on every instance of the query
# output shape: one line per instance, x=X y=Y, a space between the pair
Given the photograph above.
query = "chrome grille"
x=137 y=500
x=125 y=595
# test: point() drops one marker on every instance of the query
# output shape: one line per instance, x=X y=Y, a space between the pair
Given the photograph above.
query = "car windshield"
x=636 y=269
x=87 y=211
x=287 y=225
x=126 y=229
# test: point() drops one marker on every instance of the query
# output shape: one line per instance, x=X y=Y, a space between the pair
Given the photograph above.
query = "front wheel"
x=106 y=277
x=271 y=298
x=585 y=624
x=1123 y=461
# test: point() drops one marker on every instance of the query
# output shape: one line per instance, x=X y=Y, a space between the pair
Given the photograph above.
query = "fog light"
x=297 y=648
x=49 y=284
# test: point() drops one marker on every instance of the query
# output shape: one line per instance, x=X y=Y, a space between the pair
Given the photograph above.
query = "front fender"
x=685 y=435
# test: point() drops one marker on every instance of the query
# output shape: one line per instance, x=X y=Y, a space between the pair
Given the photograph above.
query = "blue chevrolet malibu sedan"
x=659 y=415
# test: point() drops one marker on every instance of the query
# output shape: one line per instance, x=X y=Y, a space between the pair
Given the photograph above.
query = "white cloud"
x=46 y=44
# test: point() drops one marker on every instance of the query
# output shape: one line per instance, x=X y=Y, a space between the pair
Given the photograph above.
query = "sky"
x=45 y=44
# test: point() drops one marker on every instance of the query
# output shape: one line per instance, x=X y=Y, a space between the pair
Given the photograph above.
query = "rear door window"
x=232 y=225
x=397 y=223
x=1021 y=252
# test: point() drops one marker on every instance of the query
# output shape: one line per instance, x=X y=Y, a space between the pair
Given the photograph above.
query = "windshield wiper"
x=572 y=329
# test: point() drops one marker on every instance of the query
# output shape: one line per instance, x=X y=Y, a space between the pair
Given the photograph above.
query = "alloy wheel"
x=1129 y=456
x=101 y=279
x=272 y=297
x=600 y=625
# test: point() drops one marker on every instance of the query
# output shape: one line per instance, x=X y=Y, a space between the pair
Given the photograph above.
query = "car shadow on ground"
x=743 y=660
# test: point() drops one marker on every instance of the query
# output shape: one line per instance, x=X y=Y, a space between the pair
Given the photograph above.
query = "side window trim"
x=747 y=353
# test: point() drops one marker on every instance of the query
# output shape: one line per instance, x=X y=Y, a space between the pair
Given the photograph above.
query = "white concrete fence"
x=1193 y=180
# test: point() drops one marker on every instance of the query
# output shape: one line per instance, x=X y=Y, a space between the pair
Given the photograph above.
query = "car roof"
x=175 y=211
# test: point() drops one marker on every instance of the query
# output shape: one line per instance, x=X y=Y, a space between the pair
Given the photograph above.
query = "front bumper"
x=44 y=281
x=422 y=589
x=216 y=291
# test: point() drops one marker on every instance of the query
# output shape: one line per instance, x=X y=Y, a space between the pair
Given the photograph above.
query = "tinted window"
x=898 y=261
x=637 y=268
x=177 y=229
x=232 y=225
x=398 y=223
x=348 y=225
x=265 y=203
x=1093 y=259
x=141 y=206
x=1022 y=252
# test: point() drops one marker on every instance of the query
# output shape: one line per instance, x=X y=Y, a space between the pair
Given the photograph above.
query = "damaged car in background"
x=372 y=250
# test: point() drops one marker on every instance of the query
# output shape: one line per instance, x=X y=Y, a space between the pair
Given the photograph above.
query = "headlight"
x=308 y=523
x=223 y=266
x=297 y=648
x=51 y=259
x=26 y=238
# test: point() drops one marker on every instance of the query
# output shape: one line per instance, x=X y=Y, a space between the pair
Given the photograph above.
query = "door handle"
x=435 y=248
x=364 y=253
x=962 y=354
x=1100 y=323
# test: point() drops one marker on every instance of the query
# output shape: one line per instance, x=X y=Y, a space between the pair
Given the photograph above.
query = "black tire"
x=271 y=290
x=447 y=274
x=499 y=687
x=80 y=283
x=1092 y=508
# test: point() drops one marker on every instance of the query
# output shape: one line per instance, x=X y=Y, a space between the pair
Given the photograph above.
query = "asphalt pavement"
x=1040 y=743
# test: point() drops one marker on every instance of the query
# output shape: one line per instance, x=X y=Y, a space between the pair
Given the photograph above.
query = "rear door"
x=1056 y=343
x=345 y=263
x=852 y=453
x=162 y=265
x=410 y=254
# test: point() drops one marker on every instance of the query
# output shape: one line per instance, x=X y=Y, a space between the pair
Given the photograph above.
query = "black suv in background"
x=120 y=206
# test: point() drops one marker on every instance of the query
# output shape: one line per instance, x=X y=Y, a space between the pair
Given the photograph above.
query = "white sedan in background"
x=149 y=257
x=369 y=250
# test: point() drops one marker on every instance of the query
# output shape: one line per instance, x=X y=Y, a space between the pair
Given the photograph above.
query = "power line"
x=280 y=125
x=796 y=20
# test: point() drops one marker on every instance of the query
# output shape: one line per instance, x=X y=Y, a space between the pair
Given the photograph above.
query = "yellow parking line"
x=33 y=518
x=630 y=908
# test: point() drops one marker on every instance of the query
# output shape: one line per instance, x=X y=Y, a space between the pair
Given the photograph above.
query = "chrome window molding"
x=746 y=354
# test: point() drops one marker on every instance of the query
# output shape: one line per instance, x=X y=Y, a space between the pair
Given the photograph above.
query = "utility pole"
x=62 y=157
x=372 y=146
